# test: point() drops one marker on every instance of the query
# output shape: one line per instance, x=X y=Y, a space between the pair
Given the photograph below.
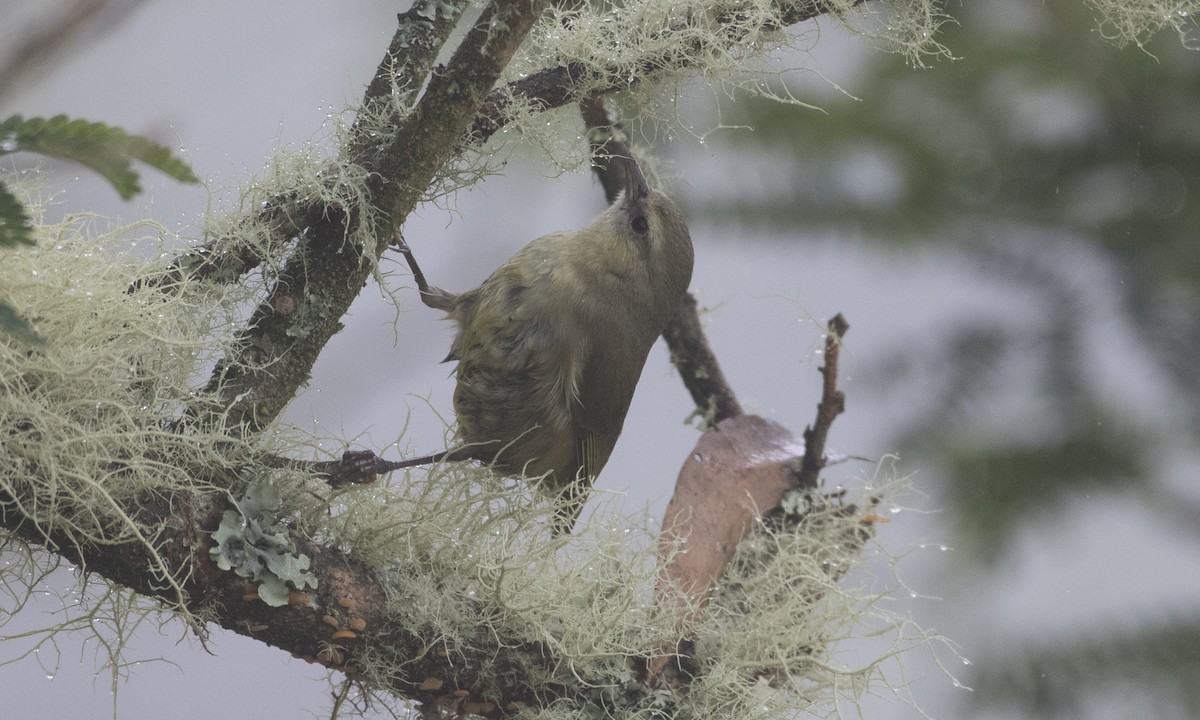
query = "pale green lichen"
x=651 y=49
x=254 y=542
x=294 y=182
x=457 y=540
x=1136 y=21
x=88 y=416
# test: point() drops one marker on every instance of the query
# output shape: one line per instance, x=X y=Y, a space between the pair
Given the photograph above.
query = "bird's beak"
x=635 y=183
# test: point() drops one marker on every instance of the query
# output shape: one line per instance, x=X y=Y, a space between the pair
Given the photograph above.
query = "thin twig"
x=832 y=404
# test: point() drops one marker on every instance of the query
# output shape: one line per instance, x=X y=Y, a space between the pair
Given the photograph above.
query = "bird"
x=550 y=347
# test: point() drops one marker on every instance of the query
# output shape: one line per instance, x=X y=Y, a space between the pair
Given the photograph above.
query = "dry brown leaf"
x=737 y=471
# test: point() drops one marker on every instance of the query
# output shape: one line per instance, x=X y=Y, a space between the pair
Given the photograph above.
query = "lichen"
x=1136 y=21
x=253 y=542
x=652 y=51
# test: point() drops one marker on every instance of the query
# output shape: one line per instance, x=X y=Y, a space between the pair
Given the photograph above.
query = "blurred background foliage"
x=1068 y=170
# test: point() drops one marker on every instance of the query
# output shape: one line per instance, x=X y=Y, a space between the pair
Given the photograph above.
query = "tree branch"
x=420 y=35
x=318 y=283
x=561 y=85
x=329 y=626
x=698 y=367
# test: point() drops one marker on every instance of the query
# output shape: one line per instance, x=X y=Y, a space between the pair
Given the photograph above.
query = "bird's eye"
x=640 y=224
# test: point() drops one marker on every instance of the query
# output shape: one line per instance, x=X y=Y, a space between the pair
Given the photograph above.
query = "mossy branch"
x=338 y=247
x=421 y=33
x=572 y=82
x=348 y=595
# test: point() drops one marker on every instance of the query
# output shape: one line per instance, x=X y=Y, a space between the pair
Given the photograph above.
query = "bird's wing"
x=606 y=384
x=516 y=373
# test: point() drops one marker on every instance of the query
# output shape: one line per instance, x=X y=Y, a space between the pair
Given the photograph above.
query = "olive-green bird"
x=550 y=347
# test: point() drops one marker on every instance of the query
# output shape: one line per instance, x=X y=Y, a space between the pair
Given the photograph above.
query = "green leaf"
x=108 y=150
x=16 y=228
x=13 y=324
